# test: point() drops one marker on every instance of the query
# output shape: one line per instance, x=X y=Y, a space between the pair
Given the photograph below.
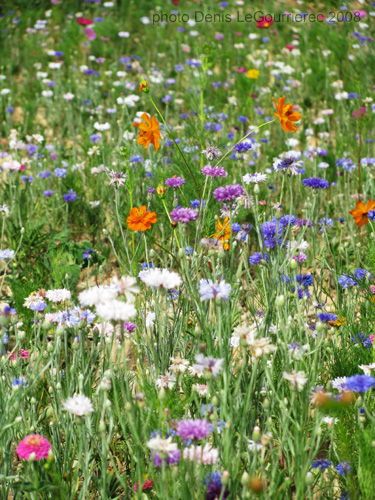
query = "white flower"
x=129 y=100
x=47 y=93
x=165 y=381
x=69 y=96
x=4 y=91
x=367 y=368
x=339 y=383
x=201 y=389
x=128 y=136
x=150 y=319
x=254 y=178
x=126 y=285
x=178 y=365
x=12 y=165
x=97 y=294
x=161 y=445
x=210 y=365
x=296 y=379
x=330 y=420
x=145 y=20
x=78 y=405
x=102 y=126
x=160 y=278
x=206 y=456
x=123 y=34
x=116 y=310
x=261 y=347
x=58 y=295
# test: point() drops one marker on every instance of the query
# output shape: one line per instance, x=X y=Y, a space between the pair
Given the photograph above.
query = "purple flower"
x=172 y=458
x=321 y=464
x=184 y=215
x=193 y=429
x=228 y=193
x=326 y=317
x=214 y=171
x=174 y=182
x=257 y=257
x=315 y=183
x=129 y=326
x=48 y=193
x=215 y=486
x=71 y=196
x=242 y=146
x=359 y=383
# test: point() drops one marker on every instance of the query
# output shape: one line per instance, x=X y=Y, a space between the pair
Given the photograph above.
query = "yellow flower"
x=253 y=73
x=223 y=232
x=339 y=322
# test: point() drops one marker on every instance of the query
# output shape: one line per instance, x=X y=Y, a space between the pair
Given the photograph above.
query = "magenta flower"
x=193 y=429
x=174 y=182
x=228 y=193
x=34 y=443
x=90 y=33
x=184 y=215
x=214 y=171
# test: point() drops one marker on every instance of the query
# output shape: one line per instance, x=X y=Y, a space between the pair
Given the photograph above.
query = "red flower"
x=265 y=22
x=83 y=21
x=146 y=485
x=290 y=47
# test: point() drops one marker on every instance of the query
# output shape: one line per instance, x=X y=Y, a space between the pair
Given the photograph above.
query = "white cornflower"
x=126 y=285
x=178 y=365
x=102 y=126
x=123 y=34
x=205 y=456
x=166 y=381
x=208 y=365
x=261 y=347
x=339 y=383
x=78 y=405
x=161 y=278
x=256 y=178
x=116 y=310
x=69 y=96
x=58 y=295
x=296 y=379
x=367 y=368
x=161 y=445
x=201 y=389
x=150 y=319
x=97 y=294
x=130 y=100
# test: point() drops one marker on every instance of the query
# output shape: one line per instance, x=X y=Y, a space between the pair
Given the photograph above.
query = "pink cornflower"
x=34 y=443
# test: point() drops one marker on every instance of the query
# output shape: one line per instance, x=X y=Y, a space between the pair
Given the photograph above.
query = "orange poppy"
x=360 y=212
x=223 y=232
x=149 y=132
x=286 y=115
x=140 y=220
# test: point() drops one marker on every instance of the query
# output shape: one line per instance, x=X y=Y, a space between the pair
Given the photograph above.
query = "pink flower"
x=21 y=354
x=90 y=33
x=372 y=288
x=34 y=443
x=371 y=337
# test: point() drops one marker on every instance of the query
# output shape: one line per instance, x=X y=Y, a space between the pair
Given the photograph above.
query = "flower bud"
x=280 y=300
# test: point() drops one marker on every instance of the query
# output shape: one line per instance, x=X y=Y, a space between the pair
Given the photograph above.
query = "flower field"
x=187 y=259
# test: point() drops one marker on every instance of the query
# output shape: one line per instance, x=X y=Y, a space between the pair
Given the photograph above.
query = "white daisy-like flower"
x=161 y=445
x=178 y=365
x=367 y=368
x=150 y=319
x=339 y=383
x=126 y=285
x=68 y=96
x=201 y=389
x=102 y=126
x=78 y=405
x=97 y=294
x=166 y=381
x=160 y=278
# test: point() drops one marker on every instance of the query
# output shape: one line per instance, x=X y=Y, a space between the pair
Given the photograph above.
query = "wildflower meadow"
x=187 y=257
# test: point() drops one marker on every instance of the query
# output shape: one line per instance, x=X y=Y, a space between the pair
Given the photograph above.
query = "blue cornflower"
x=45 y=174
x=189 y=250
x=315 y=183
x=365 y=341
x=215 y=486
x=305 y=279
x=242 y=119
x=60 y=172
x=18 y=382
x=87 y=253
x=95 y=138
x=326 y=317
x=257 y=257
x=289 y=162
x=343 y=468
x=71 y=196
x=325 y=222
x=359 y=383
x=371 y=215
x=49 y=192
x=136 y=158
x=40 y=306
x=242 y=146
x=179 y=67
x=361 y=274
x=321 y=464
x=236 y=227
x=345 y=280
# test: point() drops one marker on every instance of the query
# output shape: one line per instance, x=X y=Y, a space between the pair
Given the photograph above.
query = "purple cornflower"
x=215 y=486
x=71 y=196
x=241 y=147
x=173 y=457
x=228 y=193
x=359 y=383
x=174 y=182
x=184 y=215
x=193 y=429
x=304 y=222
x=48 y=193
x=129 y=326
x=315 y=183
x=214 y=171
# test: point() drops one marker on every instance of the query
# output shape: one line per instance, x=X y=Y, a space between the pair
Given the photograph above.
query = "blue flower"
x=343 y=468
x=257 y=257
x=87 y=253
x=60 y=172
x=359 y=383
x=345 y=280
x=326 y=317
x=315 y=183
x=71 y=196
x=361 y=274
x=365 y=341
x=305 y=279
x=321 y=464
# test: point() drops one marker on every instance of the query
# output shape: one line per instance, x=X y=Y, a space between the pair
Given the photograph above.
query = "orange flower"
x=360 y=213
x=140 y=220
x=223 y=232
x=149 y=132
x=286 y=115
x=143 y=84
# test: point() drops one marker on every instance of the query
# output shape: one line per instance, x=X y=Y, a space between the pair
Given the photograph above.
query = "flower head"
x=78 y=405
x=359 y=383
x=140 y=219
x=223 y=232
x=193 y=429
x=315 y=183
x=286 y=115
x=149 y=132
x=184 y=215
x=33 y=444
x=360 y=213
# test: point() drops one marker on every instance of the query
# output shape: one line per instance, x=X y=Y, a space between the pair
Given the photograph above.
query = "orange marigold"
x=149 y=132
x=286 y=115
x=223 y=232
x=360 y=212
x=140 y=220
